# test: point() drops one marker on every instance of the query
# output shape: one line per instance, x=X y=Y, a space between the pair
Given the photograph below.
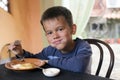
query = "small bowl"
x=51 y=72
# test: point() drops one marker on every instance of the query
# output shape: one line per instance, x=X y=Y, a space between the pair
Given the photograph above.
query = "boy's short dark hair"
x=57 y=11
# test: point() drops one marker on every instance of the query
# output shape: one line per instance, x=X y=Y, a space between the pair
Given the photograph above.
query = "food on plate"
x=23 y=66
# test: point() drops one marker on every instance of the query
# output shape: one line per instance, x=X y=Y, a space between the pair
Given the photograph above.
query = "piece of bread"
x=23 y=66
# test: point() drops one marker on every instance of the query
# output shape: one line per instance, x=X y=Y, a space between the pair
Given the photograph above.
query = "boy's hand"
x=16 y=48
x=46 y=61
x=39 y=63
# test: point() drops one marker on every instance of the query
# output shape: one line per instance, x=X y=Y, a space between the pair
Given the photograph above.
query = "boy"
x=63 y=52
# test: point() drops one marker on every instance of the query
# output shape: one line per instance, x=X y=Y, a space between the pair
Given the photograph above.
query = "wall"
x=22 y=23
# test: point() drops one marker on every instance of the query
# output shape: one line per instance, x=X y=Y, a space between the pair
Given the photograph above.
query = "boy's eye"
x=48 y=33
x=60 y=29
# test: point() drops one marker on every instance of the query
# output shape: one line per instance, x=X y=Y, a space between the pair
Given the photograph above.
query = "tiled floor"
x=116 y=70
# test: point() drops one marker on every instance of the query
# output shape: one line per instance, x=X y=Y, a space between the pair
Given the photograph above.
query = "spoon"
x=38 y=66
x=43 y=69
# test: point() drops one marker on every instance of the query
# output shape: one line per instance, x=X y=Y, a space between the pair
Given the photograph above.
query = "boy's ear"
x=74 y=29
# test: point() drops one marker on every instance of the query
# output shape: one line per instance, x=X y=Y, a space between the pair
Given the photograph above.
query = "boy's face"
x=59 y=33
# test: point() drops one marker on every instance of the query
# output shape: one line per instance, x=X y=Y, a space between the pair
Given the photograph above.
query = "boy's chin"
x=59 y=47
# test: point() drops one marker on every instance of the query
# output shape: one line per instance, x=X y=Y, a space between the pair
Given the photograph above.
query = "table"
x=6 y=74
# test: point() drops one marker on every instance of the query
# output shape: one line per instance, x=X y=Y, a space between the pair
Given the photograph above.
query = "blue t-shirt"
x=78 y=60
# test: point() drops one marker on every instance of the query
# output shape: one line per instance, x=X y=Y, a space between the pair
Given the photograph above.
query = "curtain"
x=81 y=10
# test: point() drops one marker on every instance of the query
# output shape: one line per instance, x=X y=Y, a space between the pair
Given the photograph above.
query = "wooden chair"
x=5 y=56
x=99 y=44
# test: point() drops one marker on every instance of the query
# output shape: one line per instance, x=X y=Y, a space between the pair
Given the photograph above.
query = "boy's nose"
x=55 y=35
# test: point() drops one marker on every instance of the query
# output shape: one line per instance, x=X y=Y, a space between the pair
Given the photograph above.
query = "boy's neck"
x=69 y=48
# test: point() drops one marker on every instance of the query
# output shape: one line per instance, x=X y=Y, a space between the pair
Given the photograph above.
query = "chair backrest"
x=5 y=56
x=99 y=44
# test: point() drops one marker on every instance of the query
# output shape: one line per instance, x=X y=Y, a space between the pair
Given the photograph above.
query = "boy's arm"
x=78 y=63
x=39 y=55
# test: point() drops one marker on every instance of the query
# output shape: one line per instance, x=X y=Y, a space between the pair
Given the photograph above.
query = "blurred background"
x=100 y=19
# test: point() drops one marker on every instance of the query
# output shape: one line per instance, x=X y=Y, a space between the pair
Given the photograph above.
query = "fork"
x=18 y=56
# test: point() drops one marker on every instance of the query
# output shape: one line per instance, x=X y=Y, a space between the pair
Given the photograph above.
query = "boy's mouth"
x=57 y=42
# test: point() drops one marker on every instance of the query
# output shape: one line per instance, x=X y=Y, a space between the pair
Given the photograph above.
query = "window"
x=97 y=27
x=66 y=3
x=4 y=4
x=113 y=3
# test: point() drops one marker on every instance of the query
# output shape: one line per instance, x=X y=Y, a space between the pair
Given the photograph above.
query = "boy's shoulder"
x=81 y=42
x=50 y=48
